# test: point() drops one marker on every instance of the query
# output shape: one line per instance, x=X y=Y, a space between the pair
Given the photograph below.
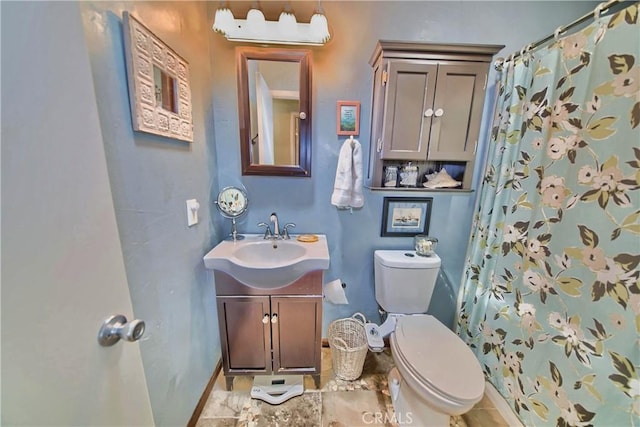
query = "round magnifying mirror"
x=232 y=202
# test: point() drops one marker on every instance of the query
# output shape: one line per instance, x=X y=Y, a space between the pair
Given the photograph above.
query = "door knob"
x=429 y=112
x=303 y=115
x=116 y=328
x=439 y=112
x=265 y=319
x=274 y=318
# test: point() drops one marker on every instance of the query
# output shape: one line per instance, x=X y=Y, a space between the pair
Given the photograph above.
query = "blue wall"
x=151 y=177
x=341 y=72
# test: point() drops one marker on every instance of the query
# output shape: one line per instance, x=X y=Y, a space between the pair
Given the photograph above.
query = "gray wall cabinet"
x=427 y=105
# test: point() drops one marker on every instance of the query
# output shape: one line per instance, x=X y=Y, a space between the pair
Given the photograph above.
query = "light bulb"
x=287 y=23
x=320 y=27
x=255 y=21
x=223 y=21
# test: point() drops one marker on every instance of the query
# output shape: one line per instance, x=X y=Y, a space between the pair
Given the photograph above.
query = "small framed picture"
x=348 y=118
x=405 y=216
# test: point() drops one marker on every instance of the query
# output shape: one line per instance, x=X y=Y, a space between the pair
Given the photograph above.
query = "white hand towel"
x=347 y=188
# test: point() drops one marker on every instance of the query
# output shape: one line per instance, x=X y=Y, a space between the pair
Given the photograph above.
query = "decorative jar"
x=391 y=176
x=409 y=176
x=425 y=245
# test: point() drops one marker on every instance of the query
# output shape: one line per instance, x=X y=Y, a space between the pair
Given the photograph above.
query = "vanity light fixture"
x=286 y=30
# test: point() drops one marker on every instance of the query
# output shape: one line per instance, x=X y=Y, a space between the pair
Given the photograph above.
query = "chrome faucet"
x=276 y=227
x=267 y=230
x=276 y=233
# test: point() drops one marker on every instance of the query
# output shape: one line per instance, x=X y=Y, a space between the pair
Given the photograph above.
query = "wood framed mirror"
x=274 y=102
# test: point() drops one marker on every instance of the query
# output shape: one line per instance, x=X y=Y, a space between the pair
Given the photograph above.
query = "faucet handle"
x=285 y=230
x=267 y=231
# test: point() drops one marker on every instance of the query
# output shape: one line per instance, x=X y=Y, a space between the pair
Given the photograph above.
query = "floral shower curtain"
x=550 y=302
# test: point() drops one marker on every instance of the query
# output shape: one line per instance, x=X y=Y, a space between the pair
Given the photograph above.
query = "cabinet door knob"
x=274 y=318
x=265 y=319
x=429 y=112
x=303 y=115
x=439 y=112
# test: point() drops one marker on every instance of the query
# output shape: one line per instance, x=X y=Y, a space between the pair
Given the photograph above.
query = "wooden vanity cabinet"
x=427 y=104
x=272 y=331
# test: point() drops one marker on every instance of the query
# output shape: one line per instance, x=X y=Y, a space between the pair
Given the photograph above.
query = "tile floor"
x=339 y=403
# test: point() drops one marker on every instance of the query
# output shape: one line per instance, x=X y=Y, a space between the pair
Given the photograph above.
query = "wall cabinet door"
x=297 y=334
x=433 y=112
x=457 y=107
x=410 y=92
x=245 y=334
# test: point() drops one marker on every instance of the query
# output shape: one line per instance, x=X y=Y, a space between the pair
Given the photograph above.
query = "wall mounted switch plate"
x=192 y=212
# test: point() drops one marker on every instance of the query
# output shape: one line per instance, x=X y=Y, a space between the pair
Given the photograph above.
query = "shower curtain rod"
x=601 y=8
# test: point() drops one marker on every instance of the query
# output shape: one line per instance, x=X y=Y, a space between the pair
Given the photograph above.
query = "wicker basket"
x=348 y=342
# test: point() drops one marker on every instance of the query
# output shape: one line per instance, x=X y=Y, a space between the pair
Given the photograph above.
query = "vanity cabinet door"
x=296 y=334
x=245 y=333
x=270 y=331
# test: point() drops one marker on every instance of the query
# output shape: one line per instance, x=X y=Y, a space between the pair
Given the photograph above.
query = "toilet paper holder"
x=334 y=293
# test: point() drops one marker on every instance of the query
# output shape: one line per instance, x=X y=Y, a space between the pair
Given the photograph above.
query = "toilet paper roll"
x=334 y=292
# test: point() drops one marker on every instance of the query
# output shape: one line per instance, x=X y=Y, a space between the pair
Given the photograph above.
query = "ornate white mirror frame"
x=159 y=90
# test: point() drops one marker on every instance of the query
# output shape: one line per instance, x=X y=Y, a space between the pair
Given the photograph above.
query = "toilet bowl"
x=436 y=364
x=436 y=374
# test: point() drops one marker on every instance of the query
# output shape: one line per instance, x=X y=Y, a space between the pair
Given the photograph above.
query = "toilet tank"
x=404 y=281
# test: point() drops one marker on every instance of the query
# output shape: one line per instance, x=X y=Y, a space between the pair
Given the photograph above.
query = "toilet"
x=436 y=375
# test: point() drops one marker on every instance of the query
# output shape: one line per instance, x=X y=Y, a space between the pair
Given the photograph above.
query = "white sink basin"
x=268 y=264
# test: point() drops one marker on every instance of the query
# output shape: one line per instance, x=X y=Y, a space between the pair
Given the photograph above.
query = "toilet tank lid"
x=406 y=259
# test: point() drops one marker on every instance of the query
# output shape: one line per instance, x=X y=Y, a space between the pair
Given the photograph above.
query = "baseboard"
x=502 y=406
x=205 y=395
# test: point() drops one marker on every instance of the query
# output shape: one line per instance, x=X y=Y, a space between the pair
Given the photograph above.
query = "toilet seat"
x=446 y=366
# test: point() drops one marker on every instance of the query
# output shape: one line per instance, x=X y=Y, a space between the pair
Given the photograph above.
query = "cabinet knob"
x=429 y=112
x=274 y=318
x=303 y=115
x=265 y=319
x=439 y=112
